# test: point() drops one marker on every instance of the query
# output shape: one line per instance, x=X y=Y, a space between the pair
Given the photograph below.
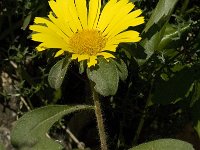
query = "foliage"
x=57 y=73
x=164 y=144
x=151 y=91
x=34 y=131
x=1 y=146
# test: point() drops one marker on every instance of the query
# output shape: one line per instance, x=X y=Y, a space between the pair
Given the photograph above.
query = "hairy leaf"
x=57 y=73
x=31 y=130
x=105 y=76
x=122 y=69
x=164 y=144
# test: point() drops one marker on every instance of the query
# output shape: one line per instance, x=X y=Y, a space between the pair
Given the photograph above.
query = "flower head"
x=87 y=32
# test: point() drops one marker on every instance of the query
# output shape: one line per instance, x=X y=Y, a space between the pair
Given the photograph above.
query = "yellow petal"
x=60 y=52
x=62 y=16
x=41 y=47
x=137 y=21
x=94 y=12
x=58 y=6
x=97 y=15
x=82 y=12
x=92 y=61
x=50 y=35
x=46 y=30
x=129 y=20
x=120 y=14
x=106 y=55
x=111 y=47
x=73 y=15
x=109 y=12
x=66 y=12
x=51 y=25
x=55 y=8
x=62 y=25
x=74 y=56
x=127 y=36
x=50 y=41
x=82 y=57
x=135 y=13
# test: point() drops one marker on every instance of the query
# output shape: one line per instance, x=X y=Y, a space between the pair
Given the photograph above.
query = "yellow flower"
x=87 y=32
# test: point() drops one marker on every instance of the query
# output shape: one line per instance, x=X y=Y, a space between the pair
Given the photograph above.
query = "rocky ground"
x=7 y=120
x=8 y=111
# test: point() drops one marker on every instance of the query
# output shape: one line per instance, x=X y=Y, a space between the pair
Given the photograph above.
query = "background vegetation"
x=159 y=99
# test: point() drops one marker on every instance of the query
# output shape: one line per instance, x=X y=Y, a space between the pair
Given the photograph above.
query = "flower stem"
x=184 y=6
x=99 y=117
x=141 y=123
x=143 y=117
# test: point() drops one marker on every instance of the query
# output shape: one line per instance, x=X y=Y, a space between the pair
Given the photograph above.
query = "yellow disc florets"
x=88 y=42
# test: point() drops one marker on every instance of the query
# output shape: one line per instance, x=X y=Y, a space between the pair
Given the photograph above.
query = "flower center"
x=88 y=42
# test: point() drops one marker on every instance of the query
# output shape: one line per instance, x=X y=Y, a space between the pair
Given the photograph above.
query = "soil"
x=7 y=120
x=8 y=111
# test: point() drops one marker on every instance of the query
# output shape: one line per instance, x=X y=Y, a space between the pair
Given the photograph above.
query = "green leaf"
x=30 y=131
x=164 y=144
x=195 y=96
x=57 y=73
x=195 y=105
x=26 y=21
x=2 y=147
x=161 y=13
x=170 y=34
x=197 y=127
x=174 y=88
x=105 y=76
x=122 y=69
x=155 y=27
x=82 y=67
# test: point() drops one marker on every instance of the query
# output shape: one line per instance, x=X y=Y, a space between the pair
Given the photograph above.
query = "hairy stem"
x=99 y=117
